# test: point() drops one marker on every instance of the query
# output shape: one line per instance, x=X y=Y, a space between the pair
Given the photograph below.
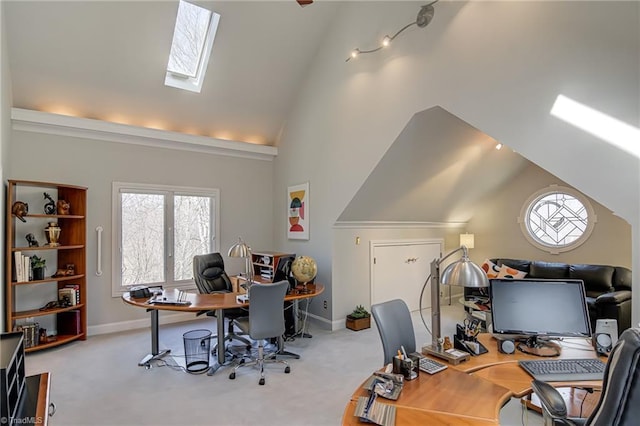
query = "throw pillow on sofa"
x=491 y=269
x=506 y=272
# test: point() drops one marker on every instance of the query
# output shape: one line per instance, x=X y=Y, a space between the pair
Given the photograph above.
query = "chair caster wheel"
x=261 y=382
x=287 y=370
x=232 y=376
x=241 y=361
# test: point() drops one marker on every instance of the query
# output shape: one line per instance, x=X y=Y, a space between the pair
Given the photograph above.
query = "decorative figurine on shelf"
x=64 y=302
x=20 y=210
x=49 y=207
x=63 y=207
x=52 y=232
x=43 y=335
x=68 y=270
x=31 y=239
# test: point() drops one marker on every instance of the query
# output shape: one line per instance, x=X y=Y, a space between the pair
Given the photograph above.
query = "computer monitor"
x=535 y=310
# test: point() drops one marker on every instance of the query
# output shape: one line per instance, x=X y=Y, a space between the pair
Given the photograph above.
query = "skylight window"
x=193 y=38
x=597 y=123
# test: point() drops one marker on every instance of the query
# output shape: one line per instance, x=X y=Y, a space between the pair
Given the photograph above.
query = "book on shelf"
x=69 y=293
x=22 y=270
x=26 y=268
x=76 y=287
x=16 y=265
x=19 y=266
x=69 y=322
x=31 y=333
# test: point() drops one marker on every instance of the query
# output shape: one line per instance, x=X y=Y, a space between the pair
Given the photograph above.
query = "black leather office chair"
x=265 y=321
x=393 y=320
x=283 y=273
x=619 y=403
x=210 y=277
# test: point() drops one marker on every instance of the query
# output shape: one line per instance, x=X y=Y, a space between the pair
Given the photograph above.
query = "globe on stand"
x=304 y=269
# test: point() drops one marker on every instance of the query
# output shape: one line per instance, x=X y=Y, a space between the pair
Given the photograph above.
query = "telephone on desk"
x=140 y=291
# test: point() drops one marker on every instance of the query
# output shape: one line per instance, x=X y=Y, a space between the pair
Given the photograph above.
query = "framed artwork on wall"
x=298 y=212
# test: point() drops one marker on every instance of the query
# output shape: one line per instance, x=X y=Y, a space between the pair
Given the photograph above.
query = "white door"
x=401 y=268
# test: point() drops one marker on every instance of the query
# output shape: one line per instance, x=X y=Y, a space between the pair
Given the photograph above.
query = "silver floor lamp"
x=463 y=273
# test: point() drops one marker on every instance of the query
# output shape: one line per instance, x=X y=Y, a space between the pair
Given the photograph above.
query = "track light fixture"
x=425 y=15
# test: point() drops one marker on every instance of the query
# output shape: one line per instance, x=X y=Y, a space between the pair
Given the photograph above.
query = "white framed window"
x=557 y=219
x=193 y=37
x=157 y=230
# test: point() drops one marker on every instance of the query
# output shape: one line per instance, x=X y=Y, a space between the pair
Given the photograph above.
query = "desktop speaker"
x=605 y=335
x=602 y=343
x=506 y=346
x=609 y=326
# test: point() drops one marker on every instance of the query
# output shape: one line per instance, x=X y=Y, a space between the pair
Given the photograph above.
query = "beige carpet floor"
x=98 y=381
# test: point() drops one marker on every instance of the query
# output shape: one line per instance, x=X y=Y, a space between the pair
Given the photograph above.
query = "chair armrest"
x=615 y=297
x=550 y=398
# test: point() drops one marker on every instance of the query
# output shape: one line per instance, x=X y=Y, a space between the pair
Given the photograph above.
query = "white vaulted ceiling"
x=107 y=59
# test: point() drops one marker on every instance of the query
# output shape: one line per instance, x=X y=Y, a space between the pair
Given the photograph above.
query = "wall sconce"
x=425 y=15
x=467 y=240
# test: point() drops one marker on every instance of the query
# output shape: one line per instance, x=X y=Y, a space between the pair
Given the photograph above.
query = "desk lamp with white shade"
x=462 y=273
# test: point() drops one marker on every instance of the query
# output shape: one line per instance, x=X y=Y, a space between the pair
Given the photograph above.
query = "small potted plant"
x=38 y=265
x=359 y=319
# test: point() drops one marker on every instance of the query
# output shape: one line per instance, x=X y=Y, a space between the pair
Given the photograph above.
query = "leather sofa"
x=608 y=288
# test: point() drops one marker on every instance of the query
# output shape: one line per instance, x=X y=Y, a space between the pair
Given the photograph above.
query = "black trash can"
x=197 y=345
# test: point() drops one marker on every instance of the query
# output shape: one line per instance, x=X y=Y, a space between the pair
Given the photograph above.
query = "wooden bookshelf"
x=71 y=250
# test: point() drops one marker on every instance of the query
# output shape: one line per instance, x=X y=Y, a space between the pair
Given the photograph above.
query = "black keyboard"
x=564 y=370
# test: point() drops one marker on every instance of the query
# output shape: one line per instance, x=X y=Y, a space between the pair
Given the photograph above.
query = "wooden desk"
x=446 y=398
x=201 y=303
x=472 y=392
x=503 y=369
x=36 y=405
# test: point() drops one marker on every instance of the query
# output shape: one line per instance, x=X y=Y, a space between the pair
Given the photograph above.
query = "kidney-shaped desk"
x=472 y=392
x=201 y=303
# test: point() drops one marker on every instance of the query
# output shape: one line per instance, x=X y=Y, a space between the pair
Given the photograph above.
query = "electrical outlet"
x=325 y=304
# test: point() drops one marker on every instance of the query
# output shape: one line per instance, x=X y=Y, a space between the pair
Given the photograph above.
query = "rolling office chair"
x=619 y=403
x=265 y=321
x=393 y=320
x=210 y=277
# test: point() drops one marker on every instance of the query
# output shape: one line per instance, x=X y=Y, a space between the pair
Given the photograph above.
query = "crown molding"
x=396 y=225
x=87 y=128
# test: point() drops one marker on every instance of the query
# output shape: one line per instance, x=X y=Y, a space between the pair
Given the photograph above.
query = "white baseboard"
x=322 y=322
x=136 y=324
x=182 y=317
